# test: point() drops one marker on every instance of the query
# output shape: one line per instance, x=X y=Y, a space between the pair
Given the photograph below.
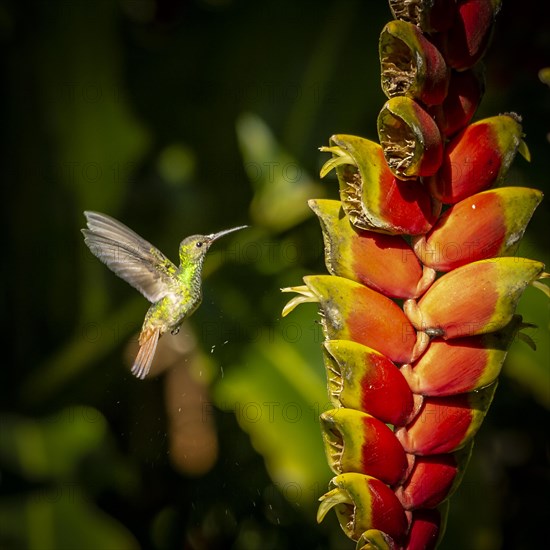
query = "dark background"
x=185 y=117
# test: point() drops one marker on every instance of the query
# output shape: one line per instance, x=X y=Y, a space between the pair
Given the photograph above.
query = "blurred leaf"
x=176 y=164
x=531 y=368
x=97 y=142
x=544 y=75
x=51 y=447
x=282 y=187
x=277 y=393
x=92 y=342
x=59 y=515
x=97 y=139
x=60 y=518
x=320 y=69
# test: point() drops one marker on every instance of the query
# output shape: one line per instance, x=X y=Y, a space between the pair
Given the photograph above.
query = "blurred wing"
x=130 y=256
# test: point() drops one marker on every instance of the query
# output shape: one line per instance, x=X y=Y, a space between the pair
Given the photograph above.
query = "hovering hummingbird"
x=175 y=292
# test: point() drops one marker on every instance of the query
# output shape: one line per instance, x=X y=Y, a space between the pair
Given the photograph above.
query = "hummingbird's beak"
x=214 y=236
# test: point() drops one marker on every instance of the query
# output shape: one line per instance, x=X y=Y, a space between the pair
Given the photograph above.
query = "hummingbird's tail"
x=148 y=344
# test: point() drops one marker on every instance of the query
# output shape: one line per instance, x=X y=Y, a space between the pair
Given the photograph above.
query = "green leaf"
x=527 y=366
x=51 y=447
x=59 y=515
x=97 y=139
x=282 y=187
x=60 y=518
x=277 y=393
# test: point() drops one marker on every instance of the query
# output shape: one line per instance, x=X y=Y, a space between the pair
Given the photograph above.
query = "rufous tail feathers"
x=148 y=344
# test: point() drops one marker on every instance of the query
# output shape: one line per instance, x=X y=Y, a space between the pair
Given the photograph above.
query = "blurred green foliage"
x=180 y=117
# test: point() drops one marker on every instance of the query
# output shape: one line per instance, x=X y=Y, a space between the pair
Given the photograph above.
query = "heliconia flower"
x=418 y=312
x=429 y=15
x=433 y=479
x=469 y=35
x=446 y=424
x=461 y=365
x=352 y=311
x=357 y=442
x=385 y=263
x=476 y=298
x=465 y=92
x=426 y=528
x=371 y=195
x=411 y=65
x=477 y=158
x=487 y=224
x=363 y=379
x=410 y=138
x=361 y=503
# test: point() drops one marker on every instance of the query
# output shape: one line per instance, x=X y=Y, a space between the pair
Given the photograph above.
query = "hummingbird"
x=175 y=292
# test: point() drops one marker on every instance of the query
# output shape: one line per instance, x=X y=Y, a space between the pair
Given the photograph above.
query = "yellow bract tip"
x=305 y=295
x=334 y=162
x=542 y=287
x=331 y=499
x=524 y=151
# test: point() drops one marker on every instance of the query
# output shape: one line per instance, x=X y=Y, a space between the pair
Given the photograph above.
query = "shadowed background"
x=190 y=117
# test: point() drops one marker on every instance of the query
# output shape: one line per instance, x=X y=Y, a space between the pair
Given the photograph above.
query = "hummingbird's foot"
x=174 y=331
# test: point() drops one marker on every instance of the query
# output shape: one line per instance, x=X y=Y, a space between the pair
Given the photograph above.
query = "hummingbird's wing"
x=130 y=256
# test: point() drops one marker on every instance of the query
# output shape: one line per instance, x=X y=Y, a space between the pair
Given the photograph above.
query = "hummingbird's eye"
x=199 y=244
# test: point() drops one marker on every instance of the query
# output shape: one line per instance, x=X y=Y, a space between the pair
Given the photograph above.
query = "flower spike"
x=418 y=309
